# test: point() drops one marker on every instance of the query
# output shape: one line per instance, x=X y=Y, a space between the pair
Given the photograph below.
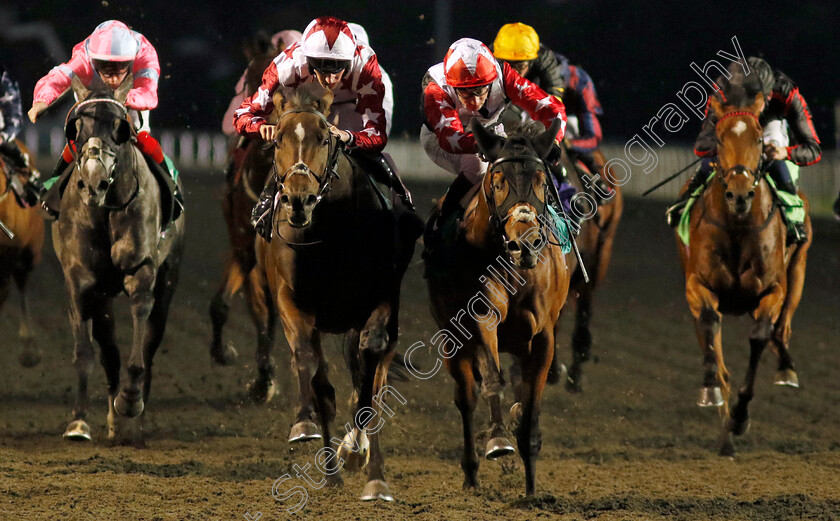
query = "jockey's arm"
x=588 y=124
x=251 y=116
x=443 y=120
x=536 y=102
x=807 y=150
x=57 y=81
x=369 y=104
x=706 y=143
x=146 y=70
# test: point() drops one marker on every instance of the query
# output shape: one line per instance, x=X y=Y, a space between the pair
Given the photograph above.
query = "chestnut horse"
x=736 y=262
x=334 y=265
x=240 y=196
x=109 y=241
x=19 y=255
x=519 y=302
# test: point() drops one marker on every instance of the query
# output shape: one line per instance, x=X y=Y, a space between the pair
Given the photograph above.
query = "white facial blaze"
x=739 y=127
x=300 y=133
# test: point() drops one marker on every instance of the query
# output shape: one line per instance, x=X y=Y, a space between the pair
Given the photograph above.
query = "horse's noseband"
x=95 y=150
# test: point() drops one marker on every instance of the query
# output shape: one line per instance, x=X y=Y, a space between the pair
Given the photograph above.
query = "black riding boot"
x=451 y=203
x=261 y=215
x=386 y=175
x=674 y=212
x=50 y=204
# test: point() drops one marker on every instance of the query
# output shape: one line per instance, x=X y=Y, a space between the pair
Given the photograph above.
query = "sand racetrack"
x=633 y=446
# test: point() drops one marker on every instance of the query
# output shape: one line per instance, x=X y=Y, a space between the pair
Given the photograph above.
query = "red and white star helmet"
x=469 y=63
x=112 y=41
x=330 y=38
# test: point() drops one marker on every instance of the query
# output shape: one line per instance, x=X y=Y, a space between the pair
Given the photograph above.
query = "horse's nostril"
x=284 y=199
x=751 y=194
x=103 y=185
x=730 y=195
x=513 y=246
x=311 y=199
x=81 y=185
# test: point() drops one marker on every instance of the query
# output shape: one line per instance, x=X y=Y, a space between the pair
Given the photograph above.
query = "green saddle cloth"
x=792 y=205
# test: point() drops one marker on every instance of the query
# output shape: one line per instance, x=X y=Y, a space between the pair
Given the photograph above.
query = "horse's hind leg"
x=263 y=387
x=30 y=355
x=233 y=278
x=786 y=373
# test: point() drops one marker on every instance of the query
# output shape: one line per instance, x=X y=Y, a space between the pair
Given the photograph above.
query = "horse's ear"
x=121 y=93
x=758 y=104
x=488 y=143
x=325 y=102
x=71 y=131
x=79 y=88
x=122 y=131
x=545 y=141
x=716 y=105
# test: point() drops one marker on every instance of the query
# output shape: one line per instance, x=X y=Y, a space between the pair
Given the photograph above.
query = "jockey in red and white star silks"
x=360 y=88
x=454 y=96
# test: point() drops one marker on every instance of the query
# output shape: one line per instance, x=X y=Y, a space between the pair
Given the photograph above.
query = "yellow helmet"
x=516 y=42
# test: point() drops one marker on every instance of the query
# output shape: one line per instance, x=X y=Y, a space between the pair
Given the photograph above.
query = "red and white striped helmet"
x=469 y=63
x=328 y=37
x=112 y=41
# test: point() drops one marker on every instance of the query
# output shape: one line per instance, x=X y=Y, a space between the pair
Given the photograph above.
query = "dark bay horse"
x=512 y=279
x=109 y=240
x=595 y=240
x=736 y=262
x=19 y=255
x=242 y=190
x=334 y=265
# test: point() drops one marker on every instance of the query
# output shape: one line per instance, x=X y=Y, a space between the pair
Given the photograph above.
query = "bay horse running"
x=109 y=241
x=513 y=280
x=340 y=246
x=595 y=241
x=20 y=254
x=736 y=262
x=242 y=188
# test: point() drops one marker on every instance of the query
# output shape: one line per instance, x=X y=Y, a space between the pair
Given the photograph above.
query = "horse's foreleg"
x=299 y=329
x=263 y=387
x=528 y=436
x=232 y=280
x=140 y=289
x=79 y=284
x=109 y=357
x=716 y=388
x=325 y=405
x=786 y=373
x=461 y=369
x=498 y=444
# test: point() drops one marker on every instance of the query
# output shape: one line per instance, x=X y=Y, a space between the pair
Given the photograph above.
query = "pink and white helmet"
x=112 y=41
x=330 y=38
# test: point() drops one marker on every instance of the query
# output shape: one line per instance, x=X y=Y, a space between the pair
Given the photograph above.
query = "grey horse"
x=111 y=238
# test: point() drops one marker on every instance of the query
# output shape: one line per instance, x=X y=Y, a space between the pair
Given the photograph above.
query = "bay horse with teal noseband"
x=109 y=240
x=507 y=259
x=736 y=262
x=340 y=246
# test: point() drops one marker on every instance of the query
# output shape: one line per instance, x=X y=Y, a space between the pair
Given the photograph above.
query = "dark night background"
x=638 y=53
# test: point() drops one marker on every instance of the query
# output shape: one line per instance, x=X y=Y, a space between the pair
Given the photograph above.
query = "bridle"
x=99 y=152
x=763 y=165
x=300 y=168
x=499 y=214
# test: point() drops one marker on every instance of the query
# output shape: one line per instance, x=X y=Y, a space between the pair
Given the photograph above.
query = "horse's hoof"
x=469 y=484
x=262 y=391
x=738 y=428
x=498 y=447
x=354 y=450
x=30 y=358
x=78 y=430
x=516 y=413
x=787 y=377
x=376 y=489
x=304 y=431
x=127 y=406
x=556 y=374
x=224 y=356
x=727 y=450
x=710 y=397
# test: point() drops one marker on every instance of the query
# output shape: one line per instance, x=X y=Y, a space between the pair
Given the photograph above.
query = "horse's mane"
x=308 y=95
